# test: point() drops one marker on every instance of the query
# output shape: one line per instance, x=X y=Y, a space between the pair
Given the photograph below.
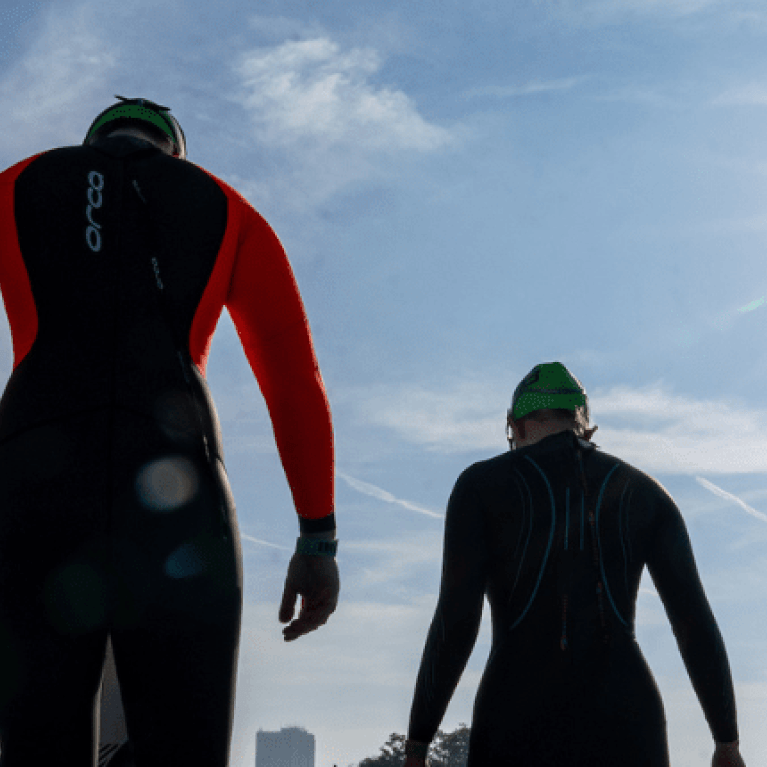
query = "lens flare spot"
x=167 y=484
x=184 y=562
x=175 y=413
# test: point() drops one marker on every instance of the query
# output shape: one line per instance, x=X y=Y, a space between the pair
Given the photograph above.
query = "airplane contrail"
x=383 y=495
x=730 y=497
x=263 y=543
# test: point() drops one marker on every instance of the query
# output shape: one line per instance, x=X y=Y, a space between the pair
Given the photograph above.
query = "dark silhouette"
x=556 y=535
x=116 y=516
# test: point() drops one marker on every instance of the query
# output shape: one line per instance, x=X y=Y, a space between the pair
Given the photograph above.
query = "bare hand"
x=315 y=578
x=727 y=755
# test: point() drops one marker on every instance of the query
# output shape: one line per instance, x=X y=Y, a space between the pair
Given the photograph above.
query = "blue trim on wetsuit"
x=599 y=546
x=548 y=548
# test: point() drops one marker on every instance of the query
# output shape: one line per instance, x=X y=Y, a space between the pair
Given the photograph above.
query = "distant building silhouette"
x=290 y=747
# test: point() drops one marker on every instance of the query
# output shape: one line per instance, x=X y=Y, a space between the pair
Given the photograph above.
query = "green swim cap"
x=131 y=111
x=549 y=385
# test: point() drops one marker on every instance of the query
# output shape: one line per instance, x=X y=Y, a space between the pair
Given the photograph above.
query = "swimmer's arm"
x=266 y=307
x=673 y=570
x=456 y=621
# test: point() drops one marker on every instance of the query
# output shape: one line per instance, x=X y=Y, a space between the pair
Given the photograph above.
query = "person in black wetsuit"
x=116 y=518
x=556 y=534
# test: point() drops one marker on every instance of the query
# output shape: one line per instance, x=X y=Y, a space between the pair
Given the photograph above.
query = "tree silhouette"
x=446 y=750
x=450 y=749
x=392 y=753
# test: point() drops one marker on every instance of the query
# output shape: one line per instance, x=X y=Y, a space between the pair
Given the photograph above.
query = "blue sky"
x=464 y=190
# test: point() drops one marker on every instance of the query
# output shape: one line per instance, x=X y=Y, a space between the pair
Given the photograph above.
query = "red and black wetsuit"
x=115 y=512
x=566 y=683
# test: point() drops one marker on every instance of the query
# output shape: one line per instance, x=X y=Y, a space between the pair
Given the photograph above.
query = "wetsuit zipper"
x=185 y=364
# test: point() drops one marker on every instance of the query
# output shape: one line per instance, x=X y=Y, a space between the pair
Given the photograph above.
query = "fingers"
x=287 y=606
x=313 y=614
x=316 y=580
x=307 y=621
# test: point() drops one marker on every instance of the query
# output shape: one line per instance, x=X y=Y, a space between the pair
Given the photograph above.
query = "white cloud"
x=528 y=89
x=45 y=97
x=655 y=430
x=396 y=561
x=470 y=416
x=676 y=434
x=312 y=90
x=749 y=94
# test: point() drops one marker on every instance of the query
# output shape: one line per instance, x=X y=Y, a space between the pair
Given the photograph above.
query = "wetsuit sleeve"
x=456 y=621
x=673 y=570
x=14 y=280
x=267 y=311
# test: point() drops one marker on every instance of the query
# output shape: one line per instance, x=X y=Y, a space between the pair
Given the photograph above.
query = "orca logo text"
x=95 y=201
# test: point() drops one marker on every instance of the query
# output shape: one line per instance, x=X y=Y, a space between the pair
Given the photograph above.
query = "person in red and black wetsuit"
x=116 y=517
x=556 y=534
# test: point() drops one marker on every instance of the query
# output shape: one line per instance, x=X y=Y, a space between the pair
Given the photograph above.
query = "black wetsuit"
x=566 y=683
x=116 y=516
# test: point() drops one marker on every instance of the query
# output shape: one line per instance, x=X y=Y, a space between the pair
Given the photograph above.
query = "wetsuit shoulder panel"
x=14 y=279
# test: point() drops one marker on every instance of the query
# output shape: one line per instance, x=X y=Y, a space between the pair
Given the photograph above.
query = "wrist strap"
x=418 y=750
x=316 y=546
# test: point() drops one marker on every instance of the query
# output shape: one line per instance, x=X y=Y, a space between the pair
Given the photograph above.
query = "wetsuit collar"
x=558 y=441
x=121 y=146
